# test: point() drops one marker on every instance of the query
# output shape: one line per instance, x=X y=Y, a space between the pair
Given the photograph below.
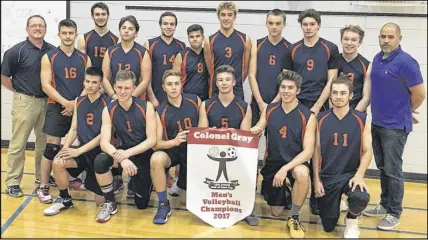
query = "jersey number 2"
x=90 y=118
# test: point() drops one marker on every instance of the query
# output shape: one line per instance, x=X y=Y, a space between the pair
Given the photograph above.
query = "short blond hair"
x=123 y=75
x=352 y=28
x=170 y=73
x=227 y=5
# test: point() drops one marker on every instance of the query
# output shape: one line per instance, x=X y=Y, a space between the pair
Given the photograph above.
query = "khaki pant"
x=28 y=113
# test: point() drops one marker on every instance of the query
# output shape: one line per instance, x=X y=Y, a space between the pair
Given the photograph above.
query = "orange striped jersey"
x=341 y=143
x=285 y=132
x=313 y=63
x=131 y=60
x=356 y=71
x=68 y=73
x=271 y=61
x=129 y=125
x=230 y=116
x=230 y=51
x=97 y=45
x=89 y=117
x=194 y=73
x=177 y=119
x=162 y=56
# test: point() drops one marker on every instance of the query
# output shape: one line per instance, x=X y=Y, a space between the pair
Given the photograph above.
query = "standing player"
x=355 y=66
x=163 y=50
x=86 y=126
x=134 y=122
x=62 y=76
x=127 y=55
x=175 y=117
x=342 y=155
x=291 y=130
x=191 y=64
x=226 y=110
x=314 y=58
x=95 y=42
x=228 y=46
x=269 y=56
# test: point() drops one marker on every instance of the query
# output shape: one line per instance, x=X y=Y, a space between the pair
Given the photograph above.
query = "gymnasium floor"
x=23 y=217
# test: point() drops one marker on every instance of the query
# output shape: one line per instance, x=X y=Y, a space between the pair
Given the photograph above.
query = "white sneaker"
x=343 y=206
x=352 y=230
x=174 y=190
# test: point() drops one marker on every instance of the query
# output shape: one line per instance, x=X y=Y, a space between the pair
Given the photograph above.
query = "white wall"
x=414 y=31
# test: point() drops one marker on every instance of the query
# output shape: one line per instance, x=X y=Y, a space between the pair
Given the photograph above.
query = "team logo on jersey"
x=222 y=157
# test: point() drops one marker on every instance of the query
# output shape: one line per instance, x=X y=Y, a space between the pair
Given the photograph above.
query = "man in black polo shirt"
x=20 y=73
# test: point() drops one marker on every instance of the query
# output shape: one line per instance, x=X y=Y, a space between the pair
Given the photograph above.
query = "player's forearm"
x=90 y=145
x=70 y=137
x=363 y=104
x=142 y=147
x=301 y=158
x=364 y=163
x=324 y=96
x=141 y=89
x=255 y=88
x=277 y=98
x=53 y=93
x=108 y=89
x=161 y=144
x=150 y=94
x=7 y=83
x=316 y=158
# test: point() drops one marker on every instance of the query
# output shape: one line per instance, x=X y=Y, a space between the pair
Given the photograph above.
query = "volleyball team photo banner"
x=221 y=174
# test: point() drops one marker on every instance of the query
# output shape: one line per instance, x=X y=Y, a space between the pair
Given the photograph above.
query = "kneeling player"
x=291 y=139
x=86 y=126
x=175 y=115
x=342 y=155
x=134 y=122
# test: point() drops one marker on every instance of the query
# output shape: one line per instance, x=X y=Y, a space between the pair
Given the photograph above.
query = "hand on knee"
x=358 y=201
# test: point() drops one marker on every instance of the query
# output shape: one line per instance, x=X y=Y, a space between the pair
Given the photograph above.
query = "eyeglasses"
x=37 y=25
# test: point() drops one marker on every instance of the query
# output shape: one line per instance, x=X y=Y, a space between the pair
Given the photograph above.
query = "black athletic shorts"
x=275 y=196
x=179 y=156
x=86 y=162
x=56 y=124
x=141 y=183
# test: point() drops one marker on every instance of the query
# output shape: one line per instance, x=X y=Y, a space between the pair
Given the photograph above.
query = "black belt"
x=31 y=95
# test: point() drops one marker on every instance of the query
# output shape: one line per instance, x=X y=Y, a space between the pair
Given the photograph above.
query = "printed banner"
x=221 y=174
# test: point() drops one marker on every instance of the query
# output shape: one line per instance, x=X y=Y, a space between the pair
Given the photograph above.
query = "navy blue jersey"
x=89 y=117
x=194 y=73
x=68 y=73
x=163 y=56
x=220 y=116
x=130 y=126
x=356 y=71
x=119 y=60
x=313 y=63
x=285 y=132
x=271 y=60
x=96 y=46
x=177 y=119
x=341 y=144
x=228 y=50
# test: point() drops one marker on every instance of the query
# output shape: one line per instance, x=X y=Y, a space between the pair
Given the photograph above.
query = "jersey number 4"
x=283 y=131
x=345 y=140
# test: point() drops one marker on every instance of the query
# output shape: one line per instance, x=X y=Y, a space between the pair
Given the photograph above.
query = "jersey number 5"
x=224 y=123
x=187 y=124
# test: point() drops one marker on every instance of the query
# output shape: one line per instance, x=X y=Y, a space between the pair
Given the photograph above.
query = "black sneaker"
x=14 y=191
x=51 y=181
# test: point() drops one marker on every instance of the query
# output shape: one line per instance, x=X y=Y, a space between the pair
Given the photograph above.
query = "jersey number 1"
x=345 y=140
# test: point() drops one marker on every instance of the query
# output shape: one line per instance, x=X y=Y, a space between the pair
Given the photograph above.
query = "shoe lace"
x=107 y=207
x=389 y=218
x=298 y=225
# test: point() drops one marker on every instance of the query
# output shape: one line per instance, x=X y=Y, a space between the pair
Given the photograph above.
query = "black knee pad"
x=141 y=202
x=329 y=224
x=102 y=163
x=51 y=151
x=358 y=200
